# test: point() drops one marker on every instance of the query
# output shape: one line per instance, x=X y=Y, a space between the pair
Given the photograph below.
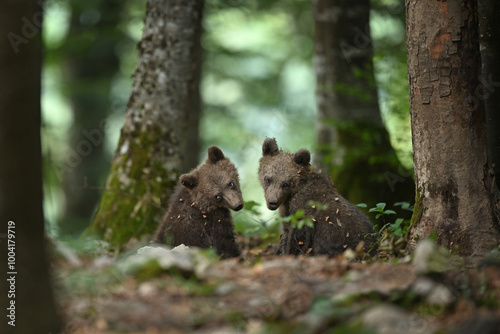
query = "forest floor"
x=192 y=291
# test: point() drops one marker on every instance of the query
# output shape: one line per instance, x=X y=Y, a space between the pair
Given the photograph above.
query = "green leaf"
x=300 y=224
x=404 y=205
x=398 y=233
x=389 y=212
x=317 y=205
x=361 y=205
x=249 y=205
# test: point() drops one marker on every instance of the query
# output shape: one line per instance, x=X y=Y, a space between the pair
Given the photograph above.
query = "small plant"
x=299 y=221
x=392 y=235
x=380 y=209
x=250 y=224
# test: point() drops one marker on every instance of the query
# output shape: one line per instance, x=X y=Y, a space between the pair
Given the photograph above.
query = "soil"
x=263 y=293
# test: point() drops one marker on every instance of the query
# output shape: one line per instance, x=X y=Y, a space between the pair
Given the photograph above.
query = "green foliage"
x=399 y=227
x=249 y=223
x=194 y=286
x=392 y=234
x=258 y=81
x=148 y=270
x=298 y=220
x=380 y=209
x=317 y=205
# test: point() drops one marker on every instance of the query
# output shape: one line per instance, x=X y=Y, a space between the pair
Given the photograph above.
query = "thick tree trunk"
x=352 y=140
x=91 y=65
x=456 y=196
x=149 y=154
x=26 y=290
x=489 y=89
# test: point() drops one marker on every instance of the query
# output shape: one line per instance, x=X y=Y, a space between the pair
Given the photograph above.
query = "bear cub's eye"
x=285 y=185
x=231 y=185
x=267 y=181
x=218 y=197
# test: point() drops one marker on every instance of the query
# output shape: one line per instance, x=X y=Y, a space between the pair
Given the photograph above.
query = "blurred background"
x=258 y=80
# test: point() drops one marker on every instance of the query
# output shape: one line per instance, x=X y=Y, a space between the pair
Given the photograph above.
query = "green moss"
x=134 y=208
x=417 y=210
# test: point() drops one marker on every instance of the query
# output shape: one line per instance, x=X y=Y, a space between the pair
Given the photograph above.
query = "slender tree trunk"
x=353 y=142
x=91 y=65
x=25 y=281
x=149 y=155
x=456 y=196
x=191 y=149
x=489 y=89
x=192 y=142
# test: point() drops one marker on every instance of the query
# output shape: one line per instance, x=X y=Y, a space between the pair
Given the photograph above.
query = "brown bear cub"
x=290 y=184
x=199 y=214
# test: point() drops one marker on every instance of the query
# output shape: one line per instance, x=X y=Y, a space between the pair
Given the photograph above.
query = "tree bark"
x=23 y=251
x=456 y=195
x=91 y=65
x=489 y=90
x=149 y=155
x=352 y=140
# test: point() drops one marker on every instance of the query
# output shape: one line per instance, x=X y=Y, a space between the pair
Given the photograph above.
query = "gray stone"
x=434 y=293
x=429 y=258
x=180 y=257
x=390 y=319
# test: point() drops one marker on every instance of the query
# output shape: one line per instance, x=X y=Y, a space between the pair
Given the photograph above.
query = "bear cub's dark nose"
x=238 y=207
x=273 y=205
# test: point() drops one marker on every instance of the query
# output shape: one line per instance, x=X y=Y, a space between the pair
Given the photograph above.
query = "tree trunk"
x=149 y=155
x=489 y=90
x=191 y=148
x=25 y=281
x=456 y=196
x=352 y=140
x=91 y=65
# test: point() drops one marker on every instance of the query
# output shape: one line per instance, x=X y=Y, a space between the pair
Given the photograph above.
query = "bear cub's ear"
x=302 y=157
x=214 y=154
x=270 y=147
x=189 y=180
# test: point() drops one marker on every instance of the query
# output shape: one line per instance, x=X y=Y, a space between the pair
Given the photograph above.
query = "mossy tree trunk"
x=26 y=296
x=91 y=65
x=456 y=194
x=353 y=143
x=489 y=88
x=149 y=155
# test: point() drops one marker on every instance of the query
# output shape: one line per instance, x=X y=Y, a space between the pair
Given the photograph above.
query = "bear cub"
x=290 y=183
x=198 y=213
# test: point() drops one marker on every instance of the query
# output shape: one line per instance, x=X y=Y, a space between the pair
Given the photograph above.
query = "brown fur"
x=289 y=182
x=198 y=213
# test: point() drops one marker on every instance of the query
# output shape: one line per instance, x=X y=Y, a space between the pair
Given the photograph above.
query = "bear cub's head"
x=280 y=172
x=214 y=184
